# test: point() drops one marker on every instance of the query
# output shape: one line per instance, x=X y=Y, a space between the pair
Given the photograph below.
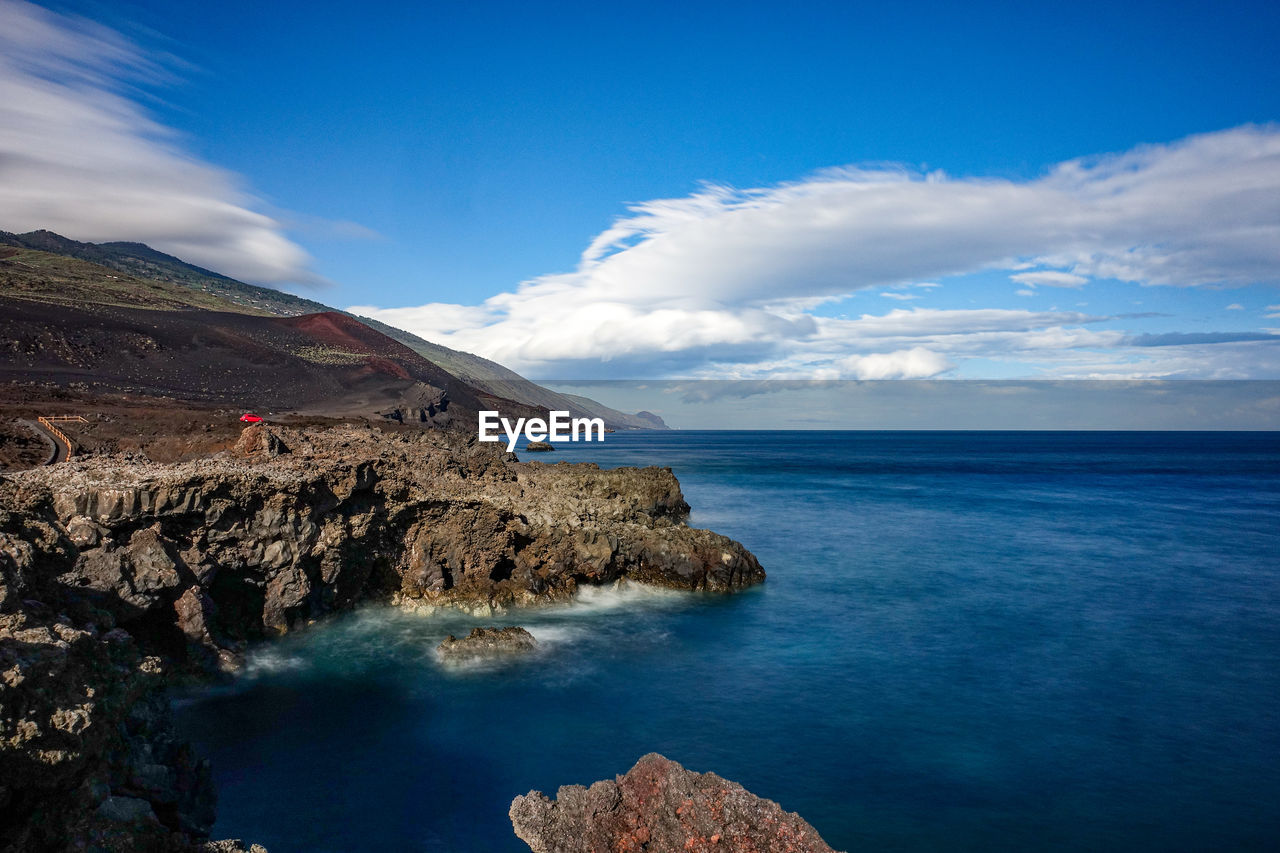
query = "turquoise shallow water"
x=968 y=641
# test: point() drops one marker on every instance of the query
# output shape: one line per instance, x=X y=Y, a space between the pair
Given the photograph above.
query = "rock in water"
x=658 y=805
x=539 y=446
x=234 y=845
x=488 y=642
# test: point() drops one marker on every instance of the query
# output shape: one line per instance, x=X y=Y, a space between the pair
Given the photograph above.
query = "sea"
x=967 y=641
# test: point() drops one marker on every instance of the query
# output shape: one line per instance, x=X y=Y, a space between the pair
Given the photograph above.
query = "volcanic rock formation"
x=658 y=805
x=488 y=642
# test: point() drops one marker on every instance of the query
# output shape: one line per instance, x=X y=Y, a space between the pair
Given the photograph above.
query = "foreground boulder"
x=488 y=643
x=658 y=805
x=259 y=441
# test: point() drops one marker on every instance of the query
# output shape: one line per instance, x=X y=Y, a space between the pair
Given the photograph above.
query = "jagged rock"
x=127 y=810
x=154 y=571
x=658 y=805
x=488 y=642
x=260 y=441
x=83 y=532
x=88 y=755
x=539 y=446
x=230 y=846
x=193 y=609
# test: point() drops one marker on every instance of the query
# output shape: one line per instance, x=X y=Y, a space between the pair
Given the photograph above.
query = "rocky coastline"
x=120 y=576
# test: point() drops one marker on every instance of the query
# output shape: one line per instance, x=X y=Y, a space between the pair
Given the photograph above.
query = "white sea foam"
x=555 y=635
x=269 y=660
x=471 y=665
x=623 y=594
x=589 y=617
x=375 y=635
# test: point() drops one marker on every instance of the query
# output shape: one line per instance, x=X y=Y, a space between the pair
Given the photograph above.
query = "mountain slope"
x=69 y=323
x=53 y=278
x=142 y=261
x=139 y=262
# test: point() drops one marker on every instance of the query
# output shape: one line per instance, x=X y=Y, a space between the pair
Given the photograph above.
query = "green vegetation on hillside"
x=45 y=277
x=143 y=262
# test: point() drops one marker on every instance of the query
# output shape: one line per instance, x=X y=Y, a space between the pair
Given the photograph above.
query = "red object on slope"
x=247 y=418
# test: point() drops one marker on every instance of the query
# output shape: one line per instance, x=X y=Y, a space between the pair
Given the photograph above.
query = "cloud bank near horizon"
x=79 y=156
x=1037 y=404
x=728 y=282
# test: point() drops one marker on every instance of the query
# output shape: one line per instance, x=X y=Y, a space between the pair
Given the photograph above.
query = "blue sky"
x=760 y=189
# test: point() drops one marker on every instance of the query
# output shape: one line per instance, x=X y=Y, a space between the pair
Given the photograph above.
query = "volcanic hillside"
x=44 y=264
x=71 y=323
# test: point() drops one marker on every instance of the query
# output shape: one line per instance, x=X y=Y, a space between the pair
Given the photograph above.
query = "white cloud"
x=1049 y=278
x=1235 y=306
x=78 y=156
x=915 y=363
x=1246 y=360
x=1025 y=292
x=901 y=297
x=729 y=280
x=914 y=323
x=1194 y=212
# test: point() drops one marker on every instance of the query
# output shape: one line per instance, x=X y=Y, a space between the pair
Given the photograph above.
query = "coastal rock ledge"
x=294 y=524
x=658 y=805
x=119 y=576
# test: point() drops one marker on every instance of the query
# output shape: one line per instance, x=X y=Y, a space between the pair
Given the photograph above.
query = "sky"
x=694 y=191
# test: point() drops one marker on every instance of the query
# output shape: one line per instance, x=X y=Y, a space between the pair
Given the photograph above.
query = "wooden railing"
x=48 y=422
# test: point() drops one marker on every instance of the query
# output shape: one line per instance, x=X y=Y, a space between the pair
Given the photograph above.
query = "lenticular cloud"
x=1204 y=210
x=728 y=274
x=79 y=157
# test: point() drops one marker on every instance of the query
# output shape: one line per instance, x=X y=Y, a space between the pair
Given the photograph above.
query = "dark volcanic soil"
x=20 y=447
x=218 y=357
x=160 y=429
x=172 y=384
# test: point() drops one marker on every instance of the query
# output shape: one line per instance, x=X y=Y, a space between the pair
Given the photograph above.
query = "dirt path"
x=61 y=450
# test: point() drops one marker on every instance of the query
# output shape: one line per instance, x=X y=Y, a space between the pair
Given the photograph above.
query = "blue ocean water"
x=968 y=641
